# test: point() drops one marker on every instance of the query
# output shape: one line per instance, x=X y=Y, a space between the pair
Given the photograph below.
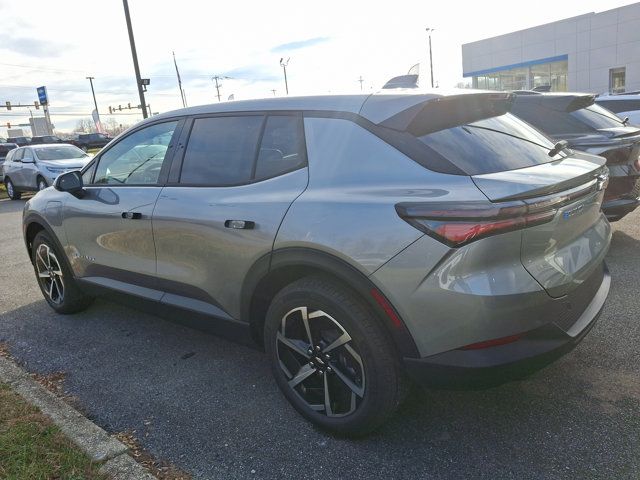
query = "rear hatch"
x=563 y=253
x=552 y=194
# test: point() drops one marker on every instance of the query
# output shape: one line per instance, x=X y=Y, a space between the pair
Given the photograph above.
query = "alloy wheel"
x=50 y=274
x=42 y=185
x=10 y=189
x=320 y=362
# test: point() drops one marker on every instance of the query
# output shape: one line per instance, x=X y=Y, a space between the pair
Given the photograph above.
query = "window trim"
x=176 y=172
x=166 y=163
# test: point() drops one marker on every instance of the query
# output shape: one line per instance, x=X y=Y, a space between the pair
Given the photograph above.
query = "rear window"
x=221 y=150
x=598 y=117
x=491 y=145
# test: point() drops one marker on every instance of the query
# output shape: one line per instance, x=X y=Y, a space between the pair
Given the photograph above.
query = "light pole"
x=429 y=30
x=94 y=97
x=284 y=64
x=143 y=103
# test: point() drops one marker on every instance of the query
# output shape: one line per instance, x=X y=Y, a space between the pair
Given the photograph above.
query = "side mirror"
x=69 y=182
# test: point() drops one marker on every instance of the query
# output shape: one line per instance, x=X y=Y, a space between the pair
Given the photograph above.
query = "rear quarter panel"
x=355 y=180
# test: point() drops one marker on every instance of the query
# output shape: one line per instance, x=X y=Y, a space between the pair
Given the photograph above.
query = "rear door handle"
x=240 y=224
x=132 y=215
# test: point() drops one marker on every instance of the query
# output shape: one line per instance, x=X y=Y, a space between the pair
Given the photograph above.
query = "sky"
x=330 y=46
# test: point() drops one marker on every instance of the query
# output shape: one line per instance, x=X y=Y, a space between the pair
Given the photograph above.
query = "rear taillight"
x=457 y=224
x=460 y=223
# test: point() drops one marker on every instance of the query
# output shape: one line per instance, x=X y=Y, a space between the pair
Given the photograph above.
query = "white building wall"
x=594 y=43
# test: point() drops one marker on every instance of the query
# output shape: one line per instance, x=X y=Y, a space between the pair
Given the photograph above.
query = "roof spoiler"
x=402 y=81
x=559 y=102
x=441 y=113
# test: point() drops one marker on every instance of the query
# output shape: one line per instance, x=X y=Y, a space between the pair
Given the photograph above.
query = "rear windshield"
x=59 y=153
x=492 y=145
x=598 y=117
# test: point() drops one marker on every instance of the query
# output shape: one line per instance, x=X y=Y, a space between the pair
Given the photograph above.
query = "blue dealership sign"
x=42 y=95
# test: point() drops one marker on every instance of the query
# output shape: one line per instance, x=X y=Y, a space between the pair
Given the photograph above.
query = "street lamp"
x=284 y=64
x=429 y=30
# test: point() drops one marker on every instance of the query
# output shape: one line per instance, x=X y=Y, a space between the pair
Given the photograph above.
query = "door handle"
x=131 y=215
x=240 y=224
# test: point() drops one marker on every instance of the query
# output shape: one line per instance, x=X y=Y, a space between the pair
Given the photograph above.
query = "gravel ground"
x=210 y=407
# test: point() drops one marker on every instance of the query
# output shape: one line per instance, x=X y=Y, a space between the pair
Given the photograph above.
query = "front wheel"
x=55 y=278
x=42 y=184
x=331 y=358
x=11 y=190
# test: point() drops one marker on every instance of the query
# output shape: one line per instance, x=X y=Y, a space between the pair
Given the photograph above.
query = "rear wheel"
x=331 y=358
x=55 y=278
x=11 y=190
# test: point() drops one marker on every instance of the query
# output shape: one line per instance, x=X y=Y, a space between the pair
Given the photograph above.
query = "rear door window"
x=491 y=145
x=221 y=150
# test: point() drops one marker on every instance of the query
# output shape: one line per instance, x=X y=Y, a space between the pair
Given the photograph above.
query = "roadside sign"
x=42 y=95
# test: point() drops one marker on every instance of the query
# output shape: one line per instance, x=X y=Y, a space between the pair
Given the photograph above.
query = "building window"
x=617 y=79
x=552 y=74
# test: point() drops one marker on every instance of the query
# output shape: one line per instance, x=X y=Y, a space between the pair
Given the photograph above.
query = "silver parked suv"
x=361 y=239
x=36 y=167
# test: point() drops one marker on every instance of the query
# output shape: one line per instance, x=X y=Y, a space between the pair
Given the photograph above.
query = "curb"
x=90 y=438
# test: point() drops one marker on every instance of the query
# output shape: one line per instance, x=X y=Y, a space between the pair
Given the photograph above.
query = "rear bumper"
x=499 y=364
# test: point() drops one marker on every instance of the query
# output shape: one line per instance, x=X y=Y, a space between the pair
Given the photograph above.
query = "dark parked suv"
x=20 y=141
x=86 y=141
x=592 y=128
x=360 y=239
x=5 y=148
x=42 y=139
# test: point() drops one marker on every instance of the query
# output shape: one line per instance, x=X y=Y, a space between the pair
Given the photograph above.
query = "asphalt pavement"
x=210 y=406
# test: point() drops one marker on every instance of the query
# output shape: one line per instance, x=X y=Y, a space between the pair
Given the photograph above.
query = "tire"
x=54 y=277
x=42 y=183
x=376 y=382
x=11 y=190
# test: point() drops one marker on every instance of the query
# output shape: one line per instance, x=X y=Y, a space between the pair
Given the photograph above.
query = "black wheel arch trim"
x=301 y=257
x=36 y=218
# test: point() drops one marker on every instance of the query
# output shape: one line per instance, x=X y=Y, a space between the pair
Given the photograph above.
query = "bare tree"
x=84 y=125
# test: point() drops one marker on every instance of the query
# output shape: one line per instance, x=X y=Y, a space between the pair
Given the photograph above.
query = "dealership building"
x=595 y=52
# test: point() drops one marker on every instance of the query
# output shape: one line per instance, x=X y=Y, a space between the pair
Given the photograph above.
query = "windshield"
x=492 y=145
x=598 y=117
x=68 y=152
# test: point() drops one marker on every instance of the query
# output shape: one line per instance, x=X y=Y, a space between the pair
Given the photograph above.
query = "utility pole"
x=429 y=30
x=361 y=80
x=284 y=64
x=135 y=59
x=274 y=91
x=215 y=79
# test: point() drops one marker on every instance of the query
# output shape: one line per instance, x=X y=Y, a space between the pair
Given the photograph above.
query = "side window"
x=282 y=148
x=137 y=158
x=18 y=155
x=88 y=174
x=221 y=150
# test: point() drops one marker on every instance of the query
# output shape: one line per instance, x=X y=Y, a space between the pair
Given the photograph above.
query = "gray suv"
x=362 y=240
x=28 y=169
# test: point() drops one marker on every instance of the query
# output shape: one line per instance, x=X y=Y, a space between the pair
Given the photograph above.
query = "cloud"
x=285 y=47
x=31 y=47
